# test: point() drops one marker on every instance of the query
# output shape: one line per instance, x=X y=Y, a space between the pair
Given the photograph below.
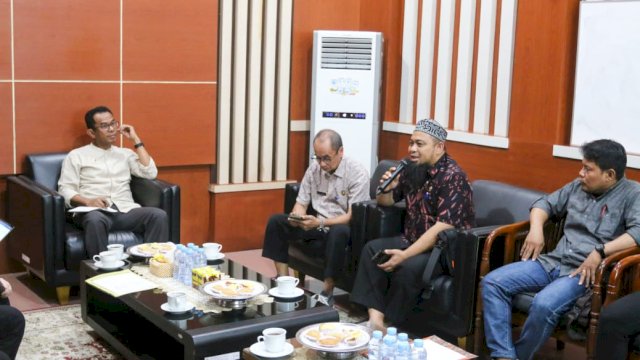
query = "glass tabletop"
x=152 y=300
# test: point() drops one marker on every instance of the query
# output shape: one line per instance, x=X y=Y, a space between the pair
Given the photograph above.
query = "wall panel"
x=177 y=121
x=173 y=42
x=543 y=72
x=6 y=130
x=194 y=204
x=67 y=39
x=5 y=40
x=238 y=219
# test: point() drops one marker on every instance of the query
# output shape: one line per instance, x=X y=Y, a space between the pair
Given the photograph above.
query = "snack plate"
x=233 y=289
x=147 y=250
x=352 y=337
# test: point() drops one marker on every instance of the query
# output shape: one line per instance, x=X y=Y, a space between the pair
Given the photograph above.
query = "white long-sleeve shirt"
x=92 y=172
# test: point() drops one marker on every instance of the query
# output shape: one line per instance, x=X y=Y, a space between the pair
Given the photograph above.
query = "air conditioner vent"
x=346 y=53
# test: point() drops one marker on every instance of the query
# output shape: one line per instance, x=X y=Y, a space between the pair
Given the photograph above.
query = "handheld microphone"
x=399 y=168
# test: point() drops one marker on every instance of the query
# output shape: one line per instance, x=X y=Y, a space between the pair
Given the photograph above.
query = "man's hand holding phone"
x=296 y=217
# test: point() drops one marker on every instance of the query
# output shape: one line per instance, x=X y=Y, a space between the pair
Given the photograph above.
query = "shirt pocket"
x=610 y=226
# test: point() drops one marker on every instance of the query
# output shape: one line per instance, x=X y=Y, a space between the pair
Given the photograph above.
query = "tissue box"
x=202 y=275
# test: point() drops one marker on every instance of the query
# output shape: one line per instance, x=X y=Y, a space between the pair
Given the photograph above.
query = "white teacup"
x=177 y=300
x=211 y=250
x=287 y=284
x=274 y=339
x=118 y=248
x=107 y=258
x=287 y=306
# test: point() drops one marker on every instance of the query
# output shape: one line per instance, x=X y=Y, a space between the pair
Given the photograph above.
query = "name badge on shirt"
x=321 y=193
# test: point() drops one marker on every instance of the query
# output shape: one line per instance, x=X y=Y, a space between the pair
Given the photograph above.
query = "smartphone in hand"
x=296 y=217
x=380 y=257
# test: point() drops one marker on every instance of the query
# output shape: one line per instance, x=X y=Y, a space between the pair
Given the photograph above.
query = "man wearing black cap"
x=438 y=197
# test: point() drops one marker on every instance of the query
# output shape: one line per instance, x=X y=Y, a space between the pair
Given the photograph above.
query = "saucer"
x=116 y=265
x=166 y=308
x=258 y=349
x=297 y=292
x=218 y=256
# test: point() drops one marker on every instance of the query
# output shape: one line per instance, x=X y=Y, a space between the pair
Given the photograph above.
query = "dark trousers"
x=334 y=242
x=394 y=293
x=150 y=221
x=618 y=326
x=11 y=330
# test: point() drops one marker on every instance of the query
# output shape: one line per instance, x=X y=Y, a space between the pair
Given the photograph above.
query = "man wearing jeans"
x=602 y=210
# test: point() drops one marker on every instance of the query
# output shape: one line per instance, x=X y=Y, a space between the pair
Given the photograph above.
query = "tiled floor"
x=31 y=294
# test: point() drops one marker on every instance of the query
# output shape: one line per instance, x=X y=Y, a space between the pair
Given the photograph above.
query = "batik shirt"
x=445 y=196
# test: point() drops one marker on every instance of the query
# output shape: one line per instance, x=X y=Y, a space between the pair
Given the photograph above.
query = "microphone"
x=399 y=168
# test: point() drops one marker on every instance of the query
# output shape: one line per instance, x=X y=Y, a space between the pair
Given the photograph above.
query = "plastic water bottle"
x=403 y=338
x=419 y=352
x=203 y=257
x=388 y=349
x=187 y=266
x=178 y=260
x=403 y=351
x=392 y=335
x=373 y=352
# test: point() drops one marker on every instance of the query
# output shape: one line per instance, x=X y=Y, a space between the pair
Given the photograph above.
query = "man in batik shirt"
x=438 y=197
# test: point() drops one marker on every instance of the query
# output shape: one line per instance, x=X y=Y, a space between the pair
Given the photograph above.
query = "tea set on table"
x=271 y=344
x=112 y=258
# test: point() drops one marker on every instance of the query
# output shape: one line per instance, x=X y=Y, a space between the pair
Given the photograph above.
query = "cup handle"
x=96 y=258
x=295 y=283
x=219 y=247
x=260 y=338
x=297 y=304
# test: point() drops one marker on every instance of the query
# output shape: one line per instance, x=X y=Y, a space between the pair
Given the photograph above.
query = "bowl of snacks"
x=233 y=293
x=334 y=340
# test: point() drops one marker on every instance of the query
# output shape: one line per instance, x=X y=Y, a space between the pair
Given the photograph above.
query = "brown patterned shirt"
x=445 y=196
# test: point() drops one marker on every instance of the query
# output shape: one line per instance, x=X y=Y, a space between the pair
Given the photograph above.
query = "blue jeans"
x=555 y=296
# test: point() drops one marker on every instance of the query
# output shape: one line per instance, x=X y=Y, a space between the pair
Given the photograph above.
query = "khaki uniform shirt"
x=332 y=194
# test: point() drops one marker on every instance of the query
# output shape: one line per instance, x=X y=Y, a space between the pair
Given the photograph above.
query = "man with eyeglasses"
x=331 y=184
x=98 y=175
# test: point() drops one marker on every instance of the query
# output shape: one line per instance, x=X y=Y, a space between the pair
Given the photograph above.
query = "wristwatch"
x=600 y=249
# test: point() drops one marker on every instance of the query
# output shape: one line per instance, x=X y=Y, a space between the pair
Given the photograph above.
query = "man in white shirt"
x=98 y=175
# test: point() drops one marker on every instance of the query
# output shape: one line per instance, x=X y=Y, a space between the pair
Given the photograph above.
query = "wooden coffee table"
x=136 y=326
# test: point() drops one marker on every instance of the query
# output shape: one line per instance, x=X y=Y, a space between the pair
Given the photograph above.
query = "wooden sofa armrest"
x=627 y=262
x=510 y=233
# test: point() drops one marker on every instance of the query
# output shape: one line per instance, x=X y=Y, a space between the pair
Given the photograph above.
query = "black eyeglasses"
x=325 y=159
x=104 y=126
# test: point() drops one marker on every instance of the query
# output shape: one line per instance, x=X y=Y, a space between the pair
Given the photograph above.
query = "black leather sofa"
x=49 y=246
x=449 y=311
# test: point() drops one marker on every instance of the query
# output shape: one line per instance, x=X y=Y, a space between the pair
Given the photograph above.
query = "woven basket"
x=160 y=269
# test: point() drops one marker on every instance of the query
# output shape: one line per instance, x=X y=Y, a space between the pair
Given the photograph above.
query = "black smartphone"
x=380 y=257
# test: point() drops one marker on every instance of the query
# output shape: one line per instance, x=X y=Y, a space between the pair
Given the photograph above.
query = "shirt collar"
x=340 y=170
x=440 y=165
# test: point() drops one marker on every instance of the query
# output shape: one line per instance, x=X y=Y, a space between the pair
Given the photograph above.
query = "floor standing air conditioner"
x=345 y=94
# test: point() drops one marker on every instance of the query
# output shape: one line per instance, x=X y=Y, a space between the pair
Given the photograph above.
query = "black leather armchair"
x=51 y=247
x=303 y=255
x=449 y=310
